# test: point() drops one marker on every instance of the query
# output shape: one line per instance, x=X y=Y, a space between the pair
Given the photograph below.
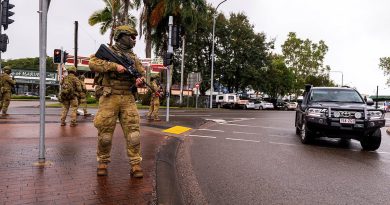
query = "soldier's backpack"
x=67 y=90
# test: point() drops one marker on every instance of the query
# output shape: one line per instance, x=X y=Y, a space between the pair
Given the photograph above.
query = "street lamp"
x=212 y=57
x=342 y=75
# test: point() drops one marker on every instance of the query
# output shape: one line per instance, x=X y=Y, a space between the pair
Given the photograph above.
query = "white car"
x=264 y=105
x=250 y=105
x=290 y=106
x=53 y=97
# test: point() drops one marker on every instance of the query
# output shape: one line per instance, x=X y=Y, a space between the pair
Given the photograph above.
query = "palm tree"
x=111 y=16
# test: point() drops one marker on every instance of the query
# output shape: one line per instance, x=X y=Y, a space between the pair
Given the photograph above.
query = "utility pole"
x=182 y=70
x=76 y=31
x=43 y=9
x=170 y=50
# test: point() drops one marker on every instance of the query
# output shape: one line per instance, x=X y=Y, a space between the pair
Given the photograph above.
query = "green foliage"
x=91 y=100
x=305 y=58
x=30 y=64
x=384 y=64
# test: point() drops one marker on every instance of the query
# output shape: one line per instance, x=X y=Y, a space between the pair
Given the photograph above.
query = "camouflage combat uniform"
x=116 y=102
x=154 y=102
x=7 y=83
x=83 y=95
x=70 y=101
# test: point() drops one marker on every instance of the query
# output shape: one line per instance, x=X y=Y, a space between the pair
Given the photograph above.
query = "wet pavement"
x=69 y=176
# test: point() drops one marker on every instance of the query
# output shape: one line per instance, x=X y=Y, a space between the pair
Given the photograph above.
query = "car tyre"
x=372 y=141
x=261 y=108
x=305 y=134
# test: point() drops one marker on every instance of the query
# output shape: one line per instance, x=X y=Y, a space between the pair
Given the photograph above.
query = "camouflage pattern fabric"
x=154 y=102
x=117 y=102
x=71 y=102
x=7 y=83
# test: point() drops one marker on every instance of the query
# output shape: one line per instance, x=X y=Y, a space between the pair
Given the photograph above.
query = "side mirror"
x=369 y=101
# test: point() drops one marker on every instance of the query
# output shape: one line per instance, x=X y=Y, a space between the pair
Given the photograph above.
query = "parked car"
x=31 y=94
x=338 y=113
x=263 y=105
x=53 y=97
x=250 y=105
x=290 y=105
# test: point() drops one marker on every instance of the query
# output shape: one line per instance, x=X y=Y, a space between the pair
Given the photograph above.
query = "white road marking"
x=235 y=139
x=240 y=119
x=202 y=136
x=275 y=128
x=279 y=143
x=283 y=136
x=211 y=130
x=219 y=121
x=246 y=133
x=189 y=115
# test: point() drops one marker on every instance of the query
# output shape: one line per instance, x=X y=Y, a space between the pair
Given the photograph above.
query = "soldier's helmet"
x=125 y=29
x=82 y=77
x=72 y=69
x=7 y=69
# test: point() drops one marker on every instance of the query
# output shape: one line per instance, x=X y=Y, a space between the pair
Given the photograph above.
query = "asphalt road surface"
x=254 y=157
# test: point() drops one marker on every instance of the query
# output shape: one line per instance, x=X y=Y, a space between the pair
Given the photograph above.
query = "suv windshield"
x=335 y=95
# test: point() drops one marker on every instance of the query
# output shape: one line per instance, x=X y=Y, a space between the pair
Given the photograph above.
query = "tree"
x=304 y=57
x=111 y=16
x=30 y=64
x=384 y=64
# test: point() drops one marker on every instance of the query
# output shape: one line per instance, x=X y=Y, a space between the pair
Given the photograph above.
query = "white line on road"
x=283 y=136
x=202 y=136
x=235 y=139
x=275 y=128
x=279 y=143
x=246 y=133
x=211 y=130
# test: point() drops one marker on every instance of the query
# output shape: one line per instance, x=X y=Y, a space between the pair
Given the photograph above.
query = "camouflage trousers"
x=111 y=108
x=153 y=108
x=5 y=101
x=73 y=104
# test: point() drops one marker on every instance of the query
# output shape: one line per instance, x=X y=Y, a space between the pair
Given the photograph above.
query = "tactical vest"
x=120 y=84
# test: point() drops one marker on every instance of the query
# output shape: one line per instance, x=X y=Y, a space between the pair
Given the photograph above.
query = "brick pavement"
x=70 y=178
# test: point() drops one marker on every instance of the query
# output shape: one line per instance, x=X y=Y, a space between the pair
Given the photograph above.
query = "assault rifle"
x=107 y=54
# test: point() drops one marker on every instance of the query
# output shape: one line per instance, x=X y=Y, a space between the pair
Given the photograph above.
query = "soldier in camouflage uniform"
x=118 y=101
x=70 y=100
x=154 y=100
x=83 y=95
x=6 y=85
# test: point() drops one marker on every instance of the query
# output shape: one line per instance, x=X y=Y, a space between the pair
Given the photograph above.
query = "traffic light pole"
x=170 y=50
x=43 y=8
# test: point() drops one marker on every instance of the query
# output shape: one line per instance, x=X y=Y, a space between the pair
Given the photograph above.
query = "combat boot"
x=157 y=119
x=136 y=171
x=102 y=169
x=73 y=124
x=63 y=123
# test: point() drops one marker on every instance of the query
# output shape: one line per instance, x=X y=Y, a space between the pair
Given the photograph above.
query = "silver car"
x=264 y=105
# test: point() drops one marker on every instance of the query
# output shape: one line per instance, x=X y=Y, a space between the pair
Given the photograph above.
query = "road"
x=254 y=157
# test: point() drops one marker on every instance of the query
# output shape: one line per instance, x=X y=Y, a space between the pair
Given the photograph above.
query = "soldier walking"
x=83 y=95
x=70 y=89
x=154 y=100
x=118 y=101
x=6 y=84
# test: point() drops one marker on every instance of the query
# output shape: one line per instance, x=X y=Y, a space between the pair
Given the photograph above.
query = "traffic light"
x=3 y=42
x=57 y=56
x=65 y=57
x=6 y=13
x=168 y=59
x=176 y=39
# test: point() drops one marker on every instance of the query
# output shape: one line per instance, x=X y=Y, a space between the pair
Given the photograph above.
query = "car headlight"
x=316 y=112
x=375 y=114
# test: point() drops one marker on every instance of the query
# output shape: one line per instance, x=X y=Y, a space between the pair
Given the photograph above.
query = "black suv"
x=338 y=112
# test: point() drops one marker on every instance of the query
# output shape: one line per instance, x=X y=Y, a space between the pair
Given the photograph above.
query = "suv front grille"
x=347 y=114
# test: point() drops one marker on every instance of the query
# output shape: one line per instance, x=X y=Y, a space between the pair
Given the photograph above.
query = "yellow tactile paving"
x=177 y=130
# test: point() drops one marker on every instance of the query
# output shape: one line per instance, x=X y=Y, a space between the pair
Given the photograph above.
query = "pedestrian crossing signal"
x=57 y=56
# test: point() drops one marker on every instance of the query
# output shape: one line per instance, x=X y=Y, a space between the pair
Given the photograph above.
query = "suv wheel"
x=261 y=108
x=305 y=134
x=372 y=141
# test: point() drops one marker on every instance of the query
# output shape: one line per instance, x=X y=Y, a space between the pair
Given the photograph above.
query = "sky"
x=356 y=31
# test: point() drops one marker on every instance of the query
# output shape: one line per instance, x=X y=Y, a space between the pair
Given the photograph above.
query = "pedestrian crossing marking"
x=177 y=130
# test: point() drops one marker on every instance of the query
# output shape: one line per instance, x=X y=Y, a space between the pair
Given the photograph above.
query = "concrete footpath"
x=69 y=176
